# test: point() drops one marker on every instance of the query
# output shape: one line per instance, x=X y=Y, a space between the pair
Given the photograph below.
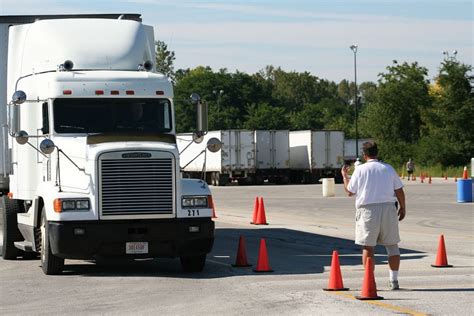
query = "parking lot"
x=304 y=228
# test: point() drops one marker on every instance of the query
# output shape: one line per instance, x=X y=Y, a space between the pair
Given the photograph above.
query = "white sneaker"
x=393 y=285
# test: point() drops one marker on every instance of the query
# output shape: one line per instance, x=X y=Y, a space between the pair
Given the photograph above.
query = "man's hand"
x=345 y=177
x=401 y=213
x=401 y=200
x=344 y=171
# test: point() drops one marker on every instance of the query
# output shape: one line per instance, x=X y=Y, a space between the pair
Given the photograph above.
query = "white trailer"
x=92 y=161
x=350 y=148
x=249 y=157
x=4 y=158
x=273 y=155
x=316 y=154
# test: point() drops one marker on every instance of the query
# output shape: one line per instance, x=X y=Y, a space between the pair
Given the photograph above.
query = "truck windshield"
x=112 y=115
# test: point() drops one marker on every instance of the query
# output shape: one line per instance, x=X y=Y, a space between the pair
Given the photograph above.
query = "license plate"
x=136 y=247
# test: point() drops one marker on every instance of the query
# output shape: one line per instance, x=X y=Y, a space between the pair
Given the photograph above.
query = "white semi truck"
x=89 y=157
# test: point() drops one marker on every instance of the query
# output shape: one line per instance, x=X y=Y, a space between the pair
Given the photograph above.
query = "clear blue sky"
x=301 y=35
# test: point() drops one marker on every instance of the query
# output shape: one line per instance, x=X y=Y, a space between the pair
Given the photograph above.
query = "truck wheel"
x=307 y=178
x=193 y=264
x=50 y=263
x=259 y=180
x=221 y=179
x=11 y=233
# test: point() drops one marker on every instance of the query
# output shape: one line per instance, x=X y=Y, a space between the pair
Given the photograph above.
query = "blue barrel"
x=464 y=190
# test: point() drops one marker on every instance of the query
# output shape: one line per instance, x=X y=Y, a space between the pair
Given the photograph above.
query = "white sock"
x=393 y=275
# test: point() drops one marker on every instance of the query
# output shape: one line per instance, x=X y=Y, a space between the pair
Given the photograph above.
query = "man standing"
x=410 y=168
x=377 y=188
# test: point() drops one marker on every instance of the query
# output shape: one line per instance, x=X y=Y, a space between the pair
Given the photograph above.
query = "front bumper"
x=166 y=238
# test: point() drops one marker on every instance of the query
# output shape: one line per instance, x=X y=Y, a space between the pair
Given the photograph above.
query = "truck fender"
x=45 y=192
x=194 y=187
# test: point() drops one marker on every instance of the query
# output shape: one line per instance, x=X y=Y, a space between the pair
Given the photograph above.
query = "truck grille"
x=139 y=186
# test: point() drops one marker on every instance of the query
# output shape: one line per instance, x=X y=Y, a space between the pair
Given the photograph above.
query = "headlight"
x=82 y=205
x=187 y=202
x=194 y=201
x=64 y=205
x=69 y=205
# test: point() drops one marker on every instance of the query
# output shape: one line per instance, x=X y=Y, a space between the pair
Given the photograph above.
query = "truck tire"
x=259 y=180
x=49 y=263
x=221 y=179
x=194 y=263
x=11 y=233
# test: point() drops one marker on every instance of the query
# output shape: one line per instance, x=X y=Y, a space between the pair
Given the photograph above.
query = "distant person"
x=357 y=163
x=410 y=169
x=377 y=188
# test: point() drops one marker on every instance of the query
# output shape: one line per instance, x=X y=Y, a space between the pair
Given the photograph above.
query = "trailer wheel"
x=194 y=263
x=221 y=179
x=259 y=180
x=11 y=233
x=307 y=177
x=49 y=263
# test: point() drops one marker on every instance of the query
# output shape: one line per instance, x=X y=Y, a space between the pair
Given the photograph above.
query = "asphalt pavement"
x=304 y=228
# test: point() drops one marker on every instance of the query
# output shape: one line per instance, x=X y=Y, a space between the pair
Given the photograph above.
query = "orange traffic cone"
x=446 y=177
x=464 y=173
x=261 y=218
x=262 y=261
x=429 y=180
x=441 y=257
x=413 y=178
x=335 y=278
x=421 y=180
x=255 y=211
x=369 y=288
x=241 y=260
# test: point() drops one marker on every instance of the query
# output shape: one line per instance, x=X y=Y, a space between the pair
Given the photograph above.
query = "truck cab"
x=92 y=161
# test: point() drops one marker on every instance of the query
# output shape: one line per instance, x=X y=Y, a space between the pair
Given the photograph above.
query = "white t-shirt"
x=374 y=182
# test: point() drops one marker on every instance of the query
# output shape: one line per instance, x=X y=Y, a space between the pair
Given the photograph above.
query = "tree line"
x=408 y=115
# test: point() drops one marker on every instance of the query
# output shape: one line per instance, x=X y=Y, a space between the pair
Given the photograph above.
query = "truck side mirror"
x=201 y=114
x=198 y=137
x=47 y=146
x=214 y=145
x=18 y=98
x=21 y=137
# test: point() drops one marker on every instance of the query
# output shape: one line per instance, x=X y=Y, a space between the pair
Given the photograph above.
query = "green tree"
x=265 y=116
x=394 y=118
x=292 y=90
x=450 y=122
x=311 y=117
x=165 y=60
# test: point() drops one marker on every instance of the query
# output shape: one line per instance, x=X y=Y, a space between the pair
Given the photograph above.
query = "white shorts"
x=377 y=224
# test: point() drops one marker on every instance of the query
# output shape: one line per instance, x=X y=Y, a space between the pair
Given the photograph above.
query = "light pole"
x=353 y=47
x=218 y=94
